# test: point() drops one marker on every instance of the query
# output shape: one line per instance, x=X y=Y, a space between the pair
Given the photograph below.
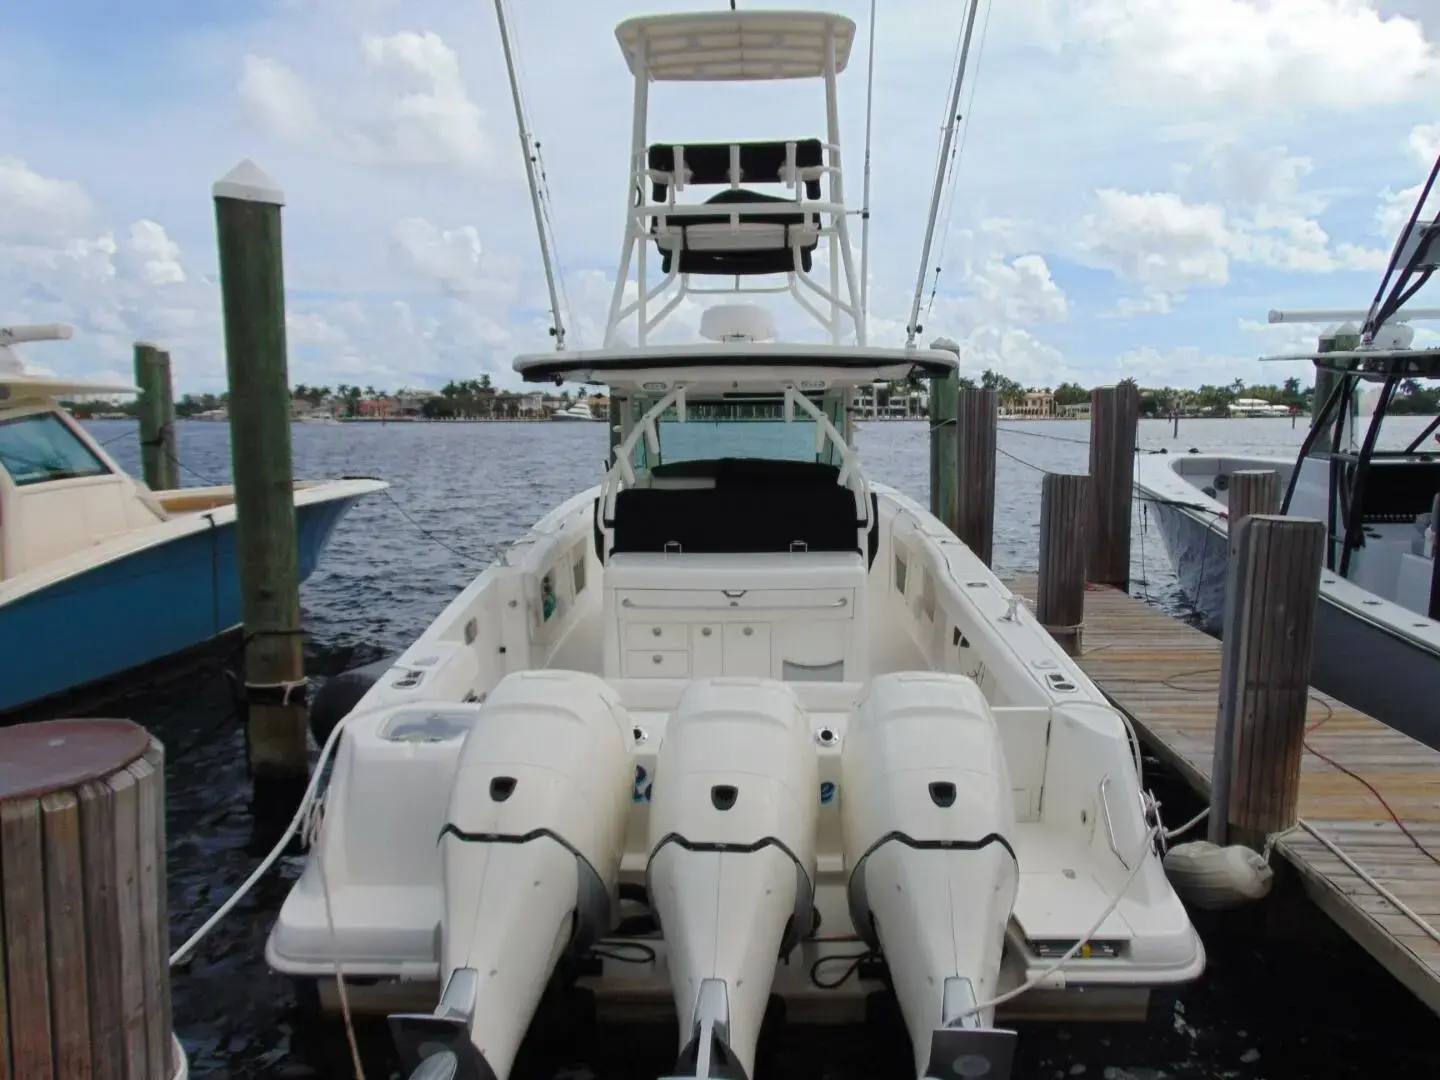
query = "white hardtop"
x=706 y=367
x=714 y=46
x=18 y=384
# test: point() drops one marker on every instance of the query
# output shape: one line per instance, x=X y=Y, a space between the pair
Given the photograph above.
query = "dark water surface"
x=1313 y=1007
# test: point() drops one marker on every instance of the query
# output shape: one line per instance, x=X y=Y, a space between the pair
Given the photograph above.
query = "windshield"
x=745 y=428
x=38 y=448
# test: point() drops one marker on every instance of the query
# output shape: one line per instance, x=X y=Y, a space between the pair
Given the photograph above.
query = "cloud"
x=278 y=100
x=35 y=207
x=157 y=256
x=407 y=106
x=1156 y=239
x=1250 y=56
x=452 y=258
x=1423 y=146
x=1209 y=158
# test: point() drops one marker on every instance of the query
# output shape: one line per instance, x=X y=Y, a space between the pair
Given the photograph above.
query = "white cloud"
x=278 y=100
x=35 y=207
x=1423 y=145
x=1200 y=161
x=1252 y=56
x=157 y=255
x=407 y=106
x=452 y=258
x=1156 y=239
x=433 y=121
x=1169 y=246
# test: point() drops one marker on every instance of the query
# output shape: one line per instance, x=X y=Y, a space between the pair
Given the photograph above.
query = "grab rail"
x=1109 y=825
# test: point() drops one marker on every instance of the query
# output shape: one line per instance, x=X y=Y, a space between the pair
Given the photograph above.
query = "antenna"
x=912 y=328
x=526 y=148
x=865 y=199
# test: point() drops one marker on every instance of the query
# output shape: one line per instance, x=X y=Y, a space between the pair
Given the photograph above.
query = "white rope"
x=302 y=817
x=314 y=827
x=287 y=686
x=1400 y=906
x=1183 y=829
x=1035 y=980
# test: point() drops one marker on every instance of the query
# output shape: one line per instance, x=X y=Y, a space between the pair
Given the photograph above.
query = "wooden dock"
x=1166 y=676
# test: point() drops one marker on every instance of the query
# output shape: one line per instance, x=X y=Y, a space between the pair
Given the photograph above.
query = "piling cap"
x=248 y=182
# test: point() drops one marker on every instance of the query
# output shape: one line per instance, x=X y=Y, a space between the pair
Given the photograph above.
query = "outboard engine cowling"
x=927 y=816
x=732 y=859
x=531 y=849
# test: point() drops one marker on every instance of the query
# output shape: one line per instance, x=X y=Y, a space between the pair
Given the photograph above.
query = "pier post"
x=975 y=427
x=944 y=397
x=1114 y=414
x=156 y=407
x=85 y=980
x=1060 y=601
x=252 y=289
x=1253 y=491
x=1272 y=593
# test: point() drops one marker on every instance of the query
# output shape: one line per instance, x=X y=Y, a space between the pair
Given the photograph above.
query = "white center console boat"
x=736 y=707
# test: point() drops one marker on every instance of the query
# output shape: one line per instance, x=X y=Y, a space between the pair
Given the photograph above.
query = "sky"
x=1139 y=181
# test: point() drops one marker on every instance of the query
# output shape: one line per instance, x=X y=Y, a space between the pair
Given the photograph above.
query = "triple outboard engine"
x=732 y=860
x=928 y=816
x=531 y=848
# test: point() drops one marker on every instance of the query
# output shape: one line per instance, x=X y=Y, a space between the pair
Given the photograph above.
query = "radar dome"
x=737 y=322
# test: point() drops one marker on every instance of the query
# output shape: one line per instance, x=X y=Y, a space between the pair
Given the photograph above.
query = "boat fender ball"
x=1218 y=878
x=341 y=693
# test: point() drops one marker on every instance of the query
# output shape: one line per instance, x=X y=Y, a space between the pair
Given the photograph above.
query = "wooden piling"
x=975 y=422
x=1064 y=514
x=1271 y=596
x=1252 y=491
x=158 y=453
x=252 y=288
x=944 y=396
x=1114 y=414
x=84 y=970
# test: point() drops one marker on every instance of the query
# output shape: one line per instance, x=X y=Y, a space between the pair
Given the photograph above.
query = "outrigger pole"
x=913 y=327
x=528 y=150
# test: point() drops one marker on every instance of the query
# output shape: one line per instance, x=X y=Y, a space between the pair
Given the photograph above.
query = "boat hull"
x=155 y=604
x=1362 y=663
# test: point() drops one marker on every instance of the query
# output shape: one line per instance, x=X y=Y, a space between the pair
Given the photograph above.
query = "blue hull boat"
x=155 y=602
x=100 y=576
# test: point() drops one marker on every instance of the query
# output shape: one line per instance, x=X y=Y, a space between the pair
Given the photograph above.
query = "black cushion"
x=769 y=260
x=760 y=163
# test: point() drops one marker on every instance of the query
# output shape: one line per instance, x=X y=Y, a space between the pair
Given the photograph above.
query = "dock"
x=1165 y=675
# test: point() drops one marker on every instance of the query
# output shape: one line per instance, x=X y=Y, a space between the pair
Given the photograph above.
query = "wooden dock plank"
x=1166 y=676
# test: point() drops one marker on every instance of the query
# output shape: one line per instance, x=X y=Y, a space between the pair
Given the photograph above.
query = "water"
x=1312 y=1008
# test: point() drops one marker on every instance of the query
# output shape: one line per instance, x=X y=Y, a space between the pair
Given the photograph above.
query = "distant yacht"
x=579 y=411
x=1257 y=407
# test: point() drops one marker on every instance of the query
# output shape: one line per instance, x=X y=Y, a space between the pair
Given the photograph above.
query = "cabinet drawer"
x=657 y=663
x=643 y=634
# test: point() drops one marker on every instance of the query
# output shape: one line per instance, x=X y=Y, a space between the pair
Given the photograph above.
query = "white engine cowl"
x=531 y=850
x=732 y=864
x=927 y=814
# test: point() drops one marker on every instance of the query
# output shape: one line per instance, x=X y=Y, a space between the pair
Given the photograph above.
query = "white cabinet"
x=707 y=650
x=747 y=649
x=657 y=664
